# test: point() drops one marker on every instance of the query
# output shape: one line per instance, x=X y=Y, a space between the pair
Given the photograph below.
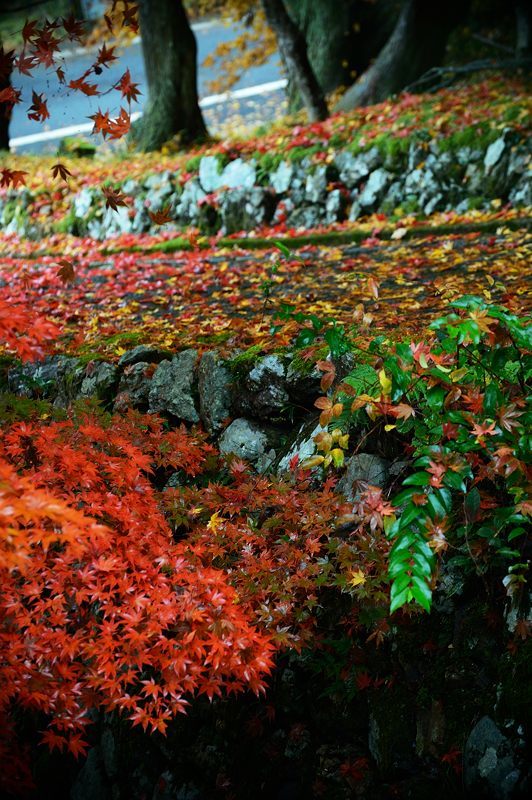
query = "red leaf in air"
x=129 y=90
x=120 y=126
x=59 y=170
x=38 y=109
x=80 y=85
x=101 y=122
x=160 y=217
x=113 y=198
x=24 y=64
x=13 y=177
x=106 y=56
x=29 y=29
x=66 y=271
x=73 y=27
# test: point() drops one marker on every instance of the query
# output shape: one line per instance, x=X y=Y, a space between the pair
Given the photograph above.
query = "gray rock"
x=302 y=445
x=362 y=468
x=494 y=154
x=172 y=387
x=210 y=173
x=187 y=206
x=214 y=388
x=248 y=441
x=354 y=168
x=91 y=783
x=303 y=384
x=306 y=217
x=375 y=188
x=281 y=177
x=134 y=386
x=334 y=206
x=244 y=209
x=131 y=187
x=57 y=378
x=99 y=381
x=143 y=352
x=489 y=762
x=239 y=174
x=36 y=379
x=316 y=185
x=521 y=193
x=82 y=202
x=263 y=392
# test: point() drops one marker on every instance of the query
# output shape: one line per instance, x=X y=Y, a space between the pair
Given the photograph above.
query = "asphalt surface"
x=69 y=108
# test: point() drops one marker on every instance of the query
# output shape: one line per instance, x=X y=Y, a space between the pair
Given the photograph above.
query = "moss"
x=192 y=165
x=214 y=338
x=478 y=137
x=77 y=147
x=246 y=358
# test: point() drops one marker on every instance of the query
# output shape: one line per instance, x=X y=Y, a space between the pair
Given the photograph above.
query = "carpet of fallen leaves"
x=216 y=296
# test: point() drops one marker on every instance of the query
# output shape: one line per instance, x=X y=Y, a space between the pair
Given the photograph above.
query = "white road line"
x=206 y=102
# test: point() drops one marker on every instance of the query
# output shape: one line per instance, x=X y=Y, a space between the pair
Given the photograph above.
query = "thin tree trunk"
x=293 y=50
x=170 y=54
x=417 y=44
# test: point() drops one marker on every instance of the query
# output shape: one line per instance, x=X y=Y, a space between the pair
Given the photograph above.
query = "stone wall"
x=414 y=176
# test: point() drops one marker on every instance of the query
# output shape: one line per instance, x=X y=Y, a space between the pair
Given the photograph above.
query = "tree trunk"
x=169 y=49
x=293 y=50
x=5 y=109
x=343 y=36
x=523 y=19
x=417 y=43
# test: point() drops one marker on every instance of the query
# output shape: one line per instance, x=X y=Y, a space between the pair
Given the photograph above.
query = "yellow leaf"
x=357 y=578
x=458 y=374
x=385 y=382
x=337 y=456
x=314 y=461
x=389 y=427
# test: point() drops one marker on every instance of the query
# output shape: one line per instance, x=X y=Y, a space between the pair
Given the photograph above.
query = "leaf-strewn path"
x=218 y=297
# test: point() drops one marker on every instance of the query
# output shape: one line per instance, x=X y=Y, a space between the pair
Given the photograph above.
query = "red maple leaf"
x=59 y=170
x=129 y=90
x=113 y=198
x=160 y=217
x=81 y=85
x=38 y=109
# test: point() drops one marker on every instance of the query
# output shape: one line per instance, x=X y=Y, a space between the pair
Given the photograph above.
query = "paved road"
x=72 y=108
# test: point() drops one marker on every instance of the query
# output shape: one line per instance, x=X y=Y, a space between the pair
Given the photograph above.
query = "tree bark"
x=293 y=50
x=523 y=20
x=343 y=36
x=416 y=44
x=5 y=110
x=170 y=55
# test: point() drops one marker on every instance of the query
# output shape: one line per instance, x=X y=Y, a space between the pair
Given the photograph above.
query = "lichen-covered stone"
x=263 y=392
x=490 y=769
x=361 y=469
x=143 y=352
x=214 y=386
x=99 y=381
x=134 y=387
x=171 y=388
x=248 y=441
